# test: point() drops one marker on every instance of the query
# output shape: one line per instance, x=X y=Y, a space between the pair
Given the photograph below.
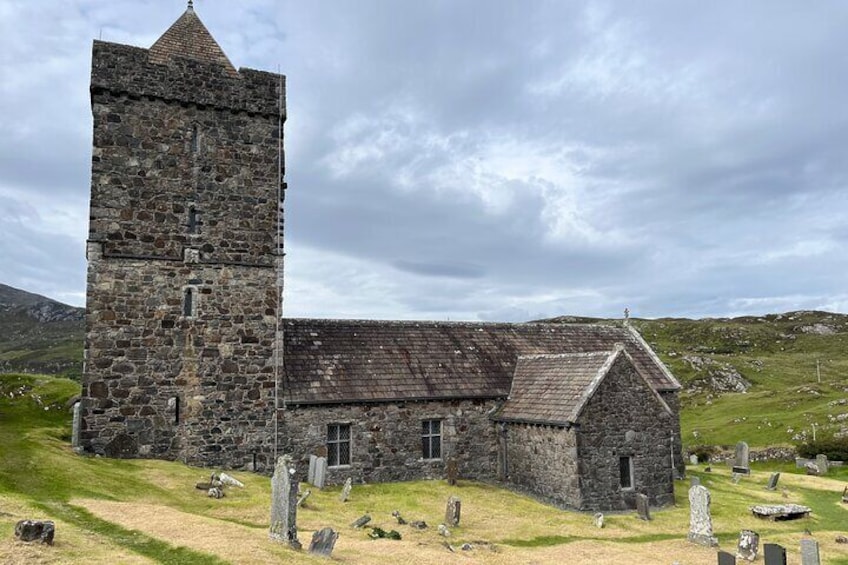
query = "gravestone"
x=284 y=503
x=740 y=461
x=36 y=530
x=811 y=468
x=348 y=485
x=772 y=484
x=700 y=520
x=452 y=471
x=310 y=475
x=694 y=481
x=748 y=545
x=452 y=511
x=76 y=427
x=643 y=510
x=725 y=558
x=810 y=552
x=774 y=554
x=444 y=531
x=323 y=542
x=361 y=521
x=693 y=459
x=320 y=477
x=599 y=520
x=822 y=463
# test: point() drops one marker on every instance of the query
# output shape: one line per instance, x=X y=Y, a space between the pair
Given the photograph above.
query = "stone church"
x=189 y=356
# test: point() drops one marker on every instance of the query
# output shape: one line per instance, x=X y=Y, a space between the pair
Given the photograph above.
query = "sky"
x=486 y=159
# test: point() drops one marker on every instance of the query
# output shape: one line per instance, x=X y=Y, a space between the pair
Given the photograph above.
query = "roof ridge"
x=459 y=323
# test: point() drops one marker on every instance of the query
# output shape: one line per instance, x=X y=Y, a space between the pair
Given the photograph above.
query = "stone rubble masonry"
x=386 y=439
x=168 y=139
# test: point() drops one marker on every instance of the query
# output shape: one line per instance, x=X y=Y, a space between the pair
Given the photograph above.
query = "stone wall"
x=185 y=198
x=672 y=400
x=624 y=418
x=543 y=460
x=386 y=438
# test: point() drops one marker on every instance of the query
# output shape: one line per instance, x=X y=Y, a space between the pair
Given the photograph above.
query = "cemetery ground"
x=141 y=511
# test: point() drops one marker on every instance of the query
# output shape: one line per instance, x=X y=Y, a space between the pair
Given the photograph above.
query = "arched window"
x=195 y=139
x=189 y=302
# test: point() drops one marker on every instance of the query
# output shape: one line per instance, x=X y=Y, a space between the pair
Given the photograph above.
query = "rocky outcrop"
x=714 y=376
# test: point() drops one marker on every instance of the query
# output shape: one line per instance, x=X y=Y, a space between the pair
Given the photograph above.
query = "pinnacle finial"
x=191 y=4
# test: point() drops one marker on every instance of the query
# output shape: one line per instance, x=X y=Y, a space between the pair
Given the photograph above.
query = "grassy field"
x=110 y=511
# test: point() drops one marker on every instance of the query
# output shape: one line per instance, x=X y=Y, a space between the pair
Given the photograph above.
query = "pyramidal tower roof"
x=188 y=37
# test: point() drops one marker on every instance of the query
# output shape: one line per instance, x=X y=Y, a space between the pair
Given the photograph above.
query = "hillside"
x=755 y=378
x=39 y=335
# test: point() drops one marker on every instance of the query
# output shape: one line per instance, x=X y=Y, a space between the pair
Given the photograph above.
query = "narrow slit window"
x=188 y=303
x=625 y=471
x=193 y=220
x=176 y=410
x=195 y=139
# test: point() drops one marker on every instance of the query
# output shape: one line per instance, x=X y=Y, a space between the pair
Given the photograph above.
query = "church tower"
x=184 y=252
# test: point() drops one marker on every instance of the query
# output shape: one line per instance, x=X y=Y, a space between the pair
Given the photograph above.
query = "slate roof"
x=337 y=361
x=188 y=37
x=552 y=389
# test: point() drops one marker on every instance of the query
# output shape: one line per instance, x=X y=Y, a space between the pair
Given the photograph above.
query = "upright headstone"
x=774 y=554
x=323 y=542
x=452 y=511
x=822 y=463
x=700 y=521
x=348 y=485
x=76 y=426
x=452 y=471
x=310 y=475
x=643 y=509
x=810 y=552
x=599 y=519
x=284 y=503
x=740 y=461
x=320 y=477
x=772 y=484
x=693 y=480
x=725 y=558
x=748 y=546
x=693 y=459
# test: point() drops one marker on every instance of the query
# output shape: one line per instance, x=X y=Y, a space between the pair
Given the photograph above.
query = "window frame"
x=631 y=473
x=427 y=437
x=334 y=443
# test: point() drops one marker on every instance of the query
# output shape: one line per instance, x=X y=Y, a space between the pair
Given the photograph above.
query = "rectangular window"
x=625 y=472
x=431 y=439
x=188 y=303
x=193 y=220
x=338 y=445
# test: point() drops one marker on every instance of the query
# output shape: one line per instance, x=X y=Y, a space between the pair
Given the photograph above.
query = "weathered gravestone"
x=822 y=463
x=599 y=520
x=36 y=530
x=284 y=503
x=361 y=521
x=700 y=521
x=452 y=471
x=348 y=485
x=748 y=545
x=693 y=480
x=452 y=511
x=774 y=554
x=320 y=477
x=76 y=427
x=810 y=552
x=693 y=459
x=643 y=510
x=725 y=558
x=740 y=461
x=323 y=542
x=811 y=468
x=310 y=474
x=772 y=483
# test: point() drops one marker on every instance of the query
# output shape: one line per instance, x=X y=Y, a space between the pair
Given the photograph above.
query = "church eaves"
x=188 y=37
